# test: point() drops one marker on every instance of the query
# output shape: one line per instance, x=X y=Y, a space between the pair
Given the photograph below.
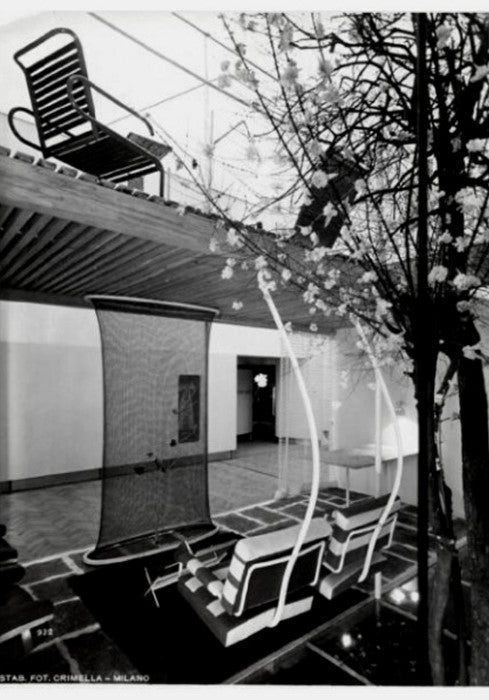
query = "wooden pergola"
x=65 y=235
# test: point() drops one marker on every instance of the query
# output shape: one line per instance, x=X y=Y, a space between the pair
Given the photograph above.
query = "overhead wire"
x=169 y=60
x=162 y=101
x=229 y=49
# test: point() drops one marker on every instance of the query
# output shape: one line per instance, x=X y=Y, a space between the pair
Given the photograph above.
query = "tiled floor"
x=42 y=522
x=55 y=525
x=78 y=645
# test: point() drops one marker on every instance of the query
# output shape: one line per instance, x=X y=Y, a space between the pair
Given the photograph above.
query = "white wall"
x=51 y=397
x=51 y=402
x=354 y=424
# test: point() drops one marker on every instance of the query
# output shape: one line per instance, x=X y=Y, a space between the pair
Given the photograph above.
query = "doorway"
x=256 y=403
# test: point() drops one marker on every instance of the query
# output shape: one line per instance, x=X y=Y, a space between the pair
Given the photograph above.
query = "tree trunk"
x=475 y=466
x=439 y=596
x=445 y=582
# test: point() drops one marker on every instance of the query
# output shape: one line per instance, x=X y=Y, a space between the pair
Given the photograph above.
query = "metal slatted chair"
x=64 y=113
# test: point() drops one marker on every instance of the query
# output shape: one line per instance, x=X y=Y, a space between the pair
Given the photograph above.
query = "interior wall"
x=51 y=403
x=51 y=398
x=354 y=423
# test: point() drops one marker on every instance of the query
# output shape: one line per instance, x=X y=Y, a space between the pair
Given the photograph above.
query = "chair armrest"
x=200 y=571
x=10 y=118
x=69 y=84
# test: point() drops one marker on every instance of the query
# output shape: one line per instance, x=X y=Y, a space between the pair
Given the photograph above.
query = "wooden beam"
x=10 y=294
x=31 y=187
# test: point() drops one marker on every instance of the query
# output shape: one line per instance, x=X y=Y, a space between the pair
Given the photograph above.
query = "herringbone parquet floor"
x=43 y=522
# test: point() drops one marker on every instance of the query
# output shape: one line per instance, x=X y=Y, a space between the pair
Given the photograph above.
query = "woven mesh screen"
x=155 y=402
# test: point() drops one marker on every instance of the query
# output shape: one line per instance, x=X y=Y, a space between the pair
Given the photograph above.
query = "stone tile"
x=272 y=528
x=71 y=616
x=44 y=665
x=299 y=510
x=56 y=590
x=336 y=491
x=403 y=551
x=262 y=514
x=237 y=523
x=393 y=566
x=77 y=559
x=405 y=536
x=38 y=572
x=284 y=502
x=95 y=654
x=337 y=501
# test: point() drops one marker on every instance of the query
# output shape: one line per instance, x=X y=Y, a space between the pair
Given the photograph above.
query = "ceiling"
x=64 y=235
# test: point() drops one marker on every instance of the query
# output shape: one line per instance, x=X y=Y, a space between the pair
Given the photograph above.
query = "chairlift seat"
x=238 y=600
x=64 y=113
x=349 y=556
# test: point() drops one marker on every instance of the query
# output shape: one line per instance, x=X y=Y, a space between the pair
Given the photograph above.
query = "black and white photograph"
x=244 y=348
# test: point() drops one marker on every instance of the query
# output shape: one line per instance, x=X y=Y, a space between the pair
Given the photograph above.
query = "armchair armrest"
x=74 y=78
x=10 y=118
x=199 y=571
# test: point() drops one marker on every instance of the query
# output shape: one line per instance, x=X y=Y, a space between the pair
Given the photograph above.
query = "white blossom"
x=234 y=239
x=331 y=94
x=445 y=238
x=480 y=73
x=443 y=35
x=290 y=75
x=313 y=327
x=472 y=352
x=467 y=200
x=286 y=38
x=319 y=179
x=260 y=262
x=325 y=69
x=213 y=245
x=463 y=306
x=475 y=145
x=329 y=212
x=368 y=277
x=438 y=273
x=315 y=148
x=311 y=293
x=227 y=273
x=237 y=305
x=286 y=274
x=382 y=307
x=288 y=327
x=461 y=243
x=317 y=254
x=464 y=282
